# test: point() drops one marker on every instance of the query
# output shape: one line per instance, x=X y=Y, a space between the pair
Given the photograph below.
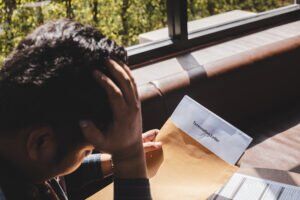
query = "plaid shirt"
x=2 y=197
x=56 y=188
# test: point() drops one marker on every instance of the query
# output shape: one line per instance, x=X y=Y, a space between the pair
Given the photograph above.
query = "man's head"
x=47 y=87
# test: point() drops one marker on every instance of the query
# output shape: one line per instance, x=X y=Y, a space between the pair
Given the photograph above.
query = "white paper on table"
x=251 y=188
x=213 y=132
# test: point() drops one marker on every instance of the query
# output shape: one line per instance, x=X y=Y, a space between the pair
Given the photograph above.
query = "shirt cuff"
x=132 y=189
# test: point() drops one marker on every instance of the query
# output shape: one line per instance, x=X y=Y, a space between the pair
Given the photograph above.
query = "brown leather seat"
x=240 y=88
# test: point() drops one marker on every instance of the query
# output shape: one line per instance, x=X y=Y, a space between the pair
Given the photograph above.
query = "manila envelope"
x=183 y=169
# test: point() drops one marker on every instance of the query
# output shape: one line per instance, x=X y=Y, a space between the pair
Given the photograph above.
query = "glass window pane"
x=126 y=21
x=206 y=13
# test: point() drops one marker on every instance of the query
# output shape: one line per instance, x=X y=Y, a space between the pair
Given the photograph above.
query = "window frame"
x=180 y=40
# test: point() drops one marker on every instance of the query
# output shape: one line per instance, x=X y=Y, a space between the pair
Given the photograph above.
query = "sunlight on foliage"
x=121 y=20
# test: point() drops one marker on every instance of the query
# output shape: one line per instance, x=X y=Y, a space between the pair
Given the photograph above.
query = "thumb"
x=91 y=133
x=152 y=146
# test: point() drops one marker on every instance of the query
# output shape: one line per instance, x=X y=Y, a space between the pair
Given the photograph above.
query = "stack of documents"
x=242 y=187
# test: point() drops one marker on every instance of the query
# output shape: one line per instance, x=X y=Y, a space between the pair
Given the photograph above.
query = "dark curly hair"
x=48 y=79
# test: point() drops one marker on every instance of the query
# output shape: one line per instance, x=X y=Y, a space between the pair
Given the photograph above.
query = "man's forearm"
x=131 y=166
x=130 y=182
x=106 y=165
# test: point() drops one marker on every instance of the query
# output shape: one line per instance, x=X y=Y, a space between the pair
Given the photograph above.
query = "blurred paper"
x=192 y=163
x=251 y=188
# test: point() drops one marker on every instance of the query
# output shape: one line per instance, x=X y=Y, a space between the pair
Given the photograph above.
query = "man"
x=64 y=92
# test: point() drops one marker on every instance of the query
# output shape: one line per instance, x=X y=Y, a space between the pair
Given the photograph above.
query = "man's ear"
x=41 y=144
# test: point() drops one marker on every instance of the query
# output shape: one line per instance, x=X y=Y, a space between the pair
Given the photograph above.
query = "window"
x=208 y=13
x=183 y=40
x=199 y=9
x=121 y=20
x=182 y=24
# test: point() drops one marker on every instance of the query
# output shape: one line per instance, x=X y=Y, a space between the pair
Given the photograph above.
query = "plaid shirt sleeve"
x=89 y=172
x=2 y=197
x=132 y=189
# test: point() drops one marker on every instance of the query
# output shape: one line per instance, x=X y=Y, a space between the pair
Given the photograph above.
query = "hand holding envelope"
x=193 y=162
x=185 y=169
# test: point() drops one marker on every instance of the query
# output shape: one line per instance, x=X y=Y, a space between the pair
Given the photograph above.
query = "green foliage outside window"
x=204 y=8
x=121 y=20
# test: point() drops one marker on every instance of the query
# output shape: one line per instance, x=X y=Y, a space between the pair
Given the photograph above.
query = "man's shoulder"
x=2 y=197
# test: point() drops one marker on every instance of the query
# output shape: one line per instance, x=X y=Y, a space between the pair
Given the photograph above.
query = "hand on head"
x=123 y=139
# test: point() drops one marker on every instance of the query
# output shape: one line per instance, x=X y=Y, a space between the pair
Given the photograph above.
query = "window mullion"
x=177 y=19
